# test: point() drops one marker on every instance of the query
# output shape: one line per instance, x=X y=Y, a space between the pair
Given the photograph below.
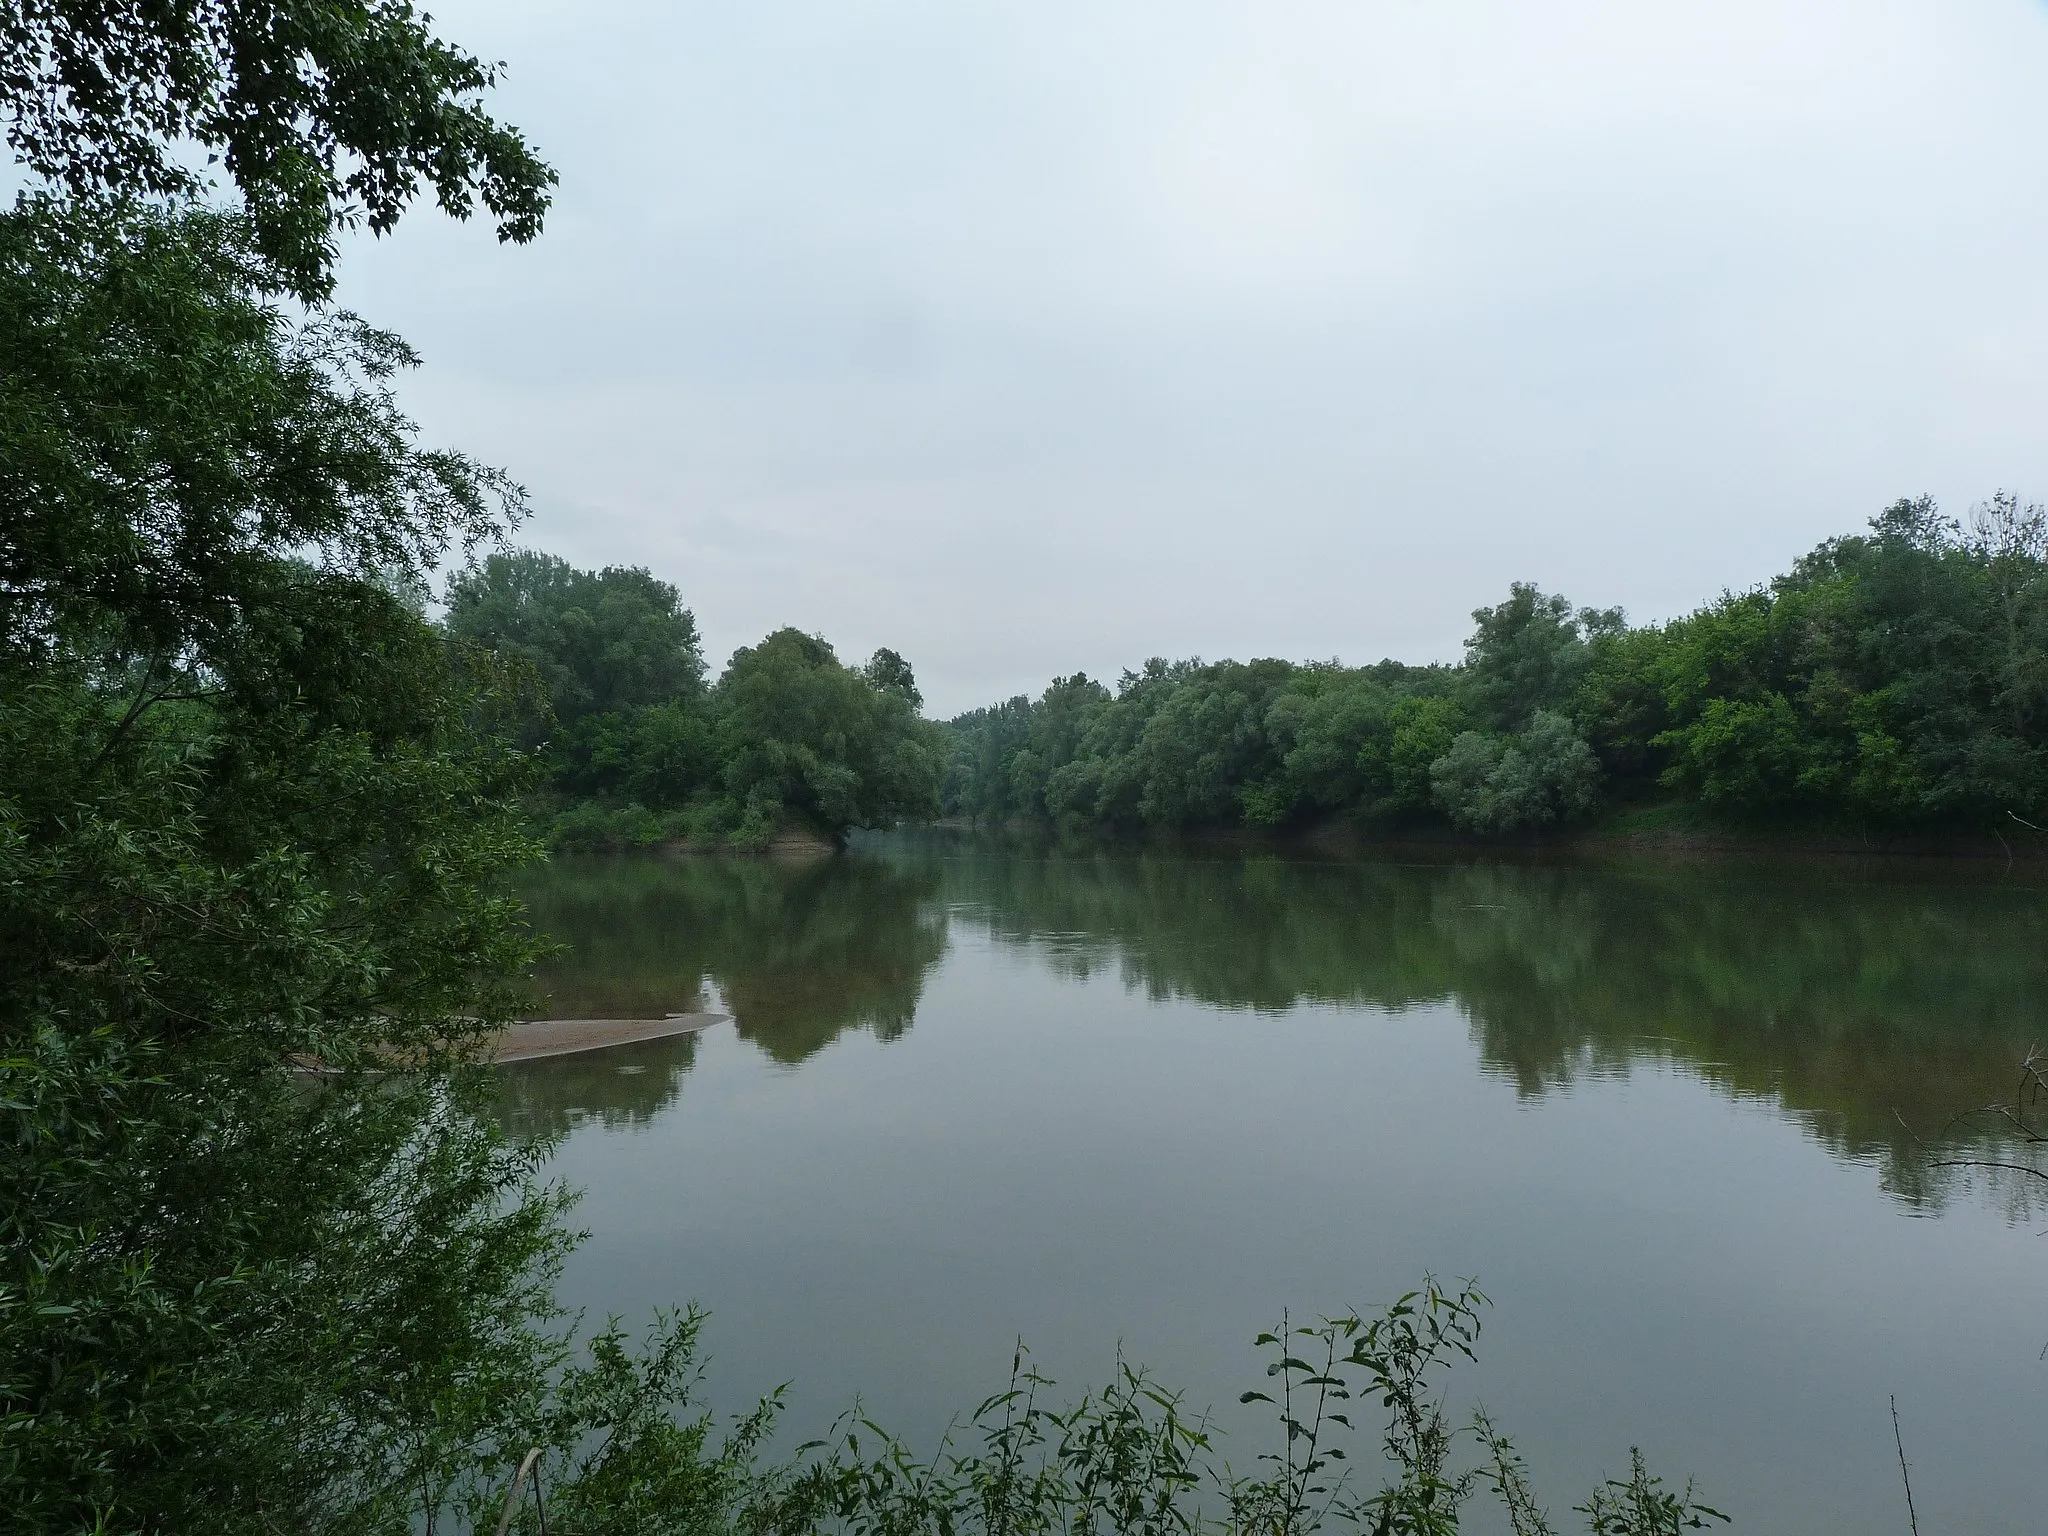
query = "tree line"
x=269 y=1260
x=1896 y=678
x=634 y=746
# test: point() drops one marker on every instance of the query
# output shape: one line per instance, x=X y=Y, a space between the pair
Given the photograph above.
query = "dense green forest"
x=636 y=747
x=1896 y=678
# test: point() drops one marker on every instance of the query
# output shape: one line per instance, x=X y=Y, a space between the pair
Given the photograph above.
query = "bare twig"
x=1989 y=1162
x=2018 y=1117
x=1899 y=1440
x=141 y=702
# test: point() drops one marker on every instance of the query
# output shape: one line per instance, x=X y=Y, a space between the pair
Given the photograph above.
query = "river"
x=1681 y=1122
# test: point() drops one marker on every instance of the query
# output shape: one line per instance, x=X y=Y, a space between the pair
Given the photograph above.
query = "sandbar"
x=562 y=1037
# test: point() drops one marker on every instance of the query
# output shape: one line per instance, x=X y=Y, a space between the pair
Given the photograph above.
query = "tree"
x=978 y=782
x=1898 y=676
x=1422 y=730
x=167 y=434
x=1205 y=742
x=1004 y=757
x=254 y=816
x=1322 y=724
x=323 y=114
x=1527 y=654
x=1890 y=676
x=620 y=673
x=637 y=750
x=887 y=672
x=2011 y=538
x=609 y=640
x=1509 y=783
x=252 y=812
x=801 y=733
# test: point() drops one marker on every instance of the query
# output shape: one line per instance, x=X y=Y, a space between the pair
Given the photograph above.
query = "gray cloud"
x=1029 y=339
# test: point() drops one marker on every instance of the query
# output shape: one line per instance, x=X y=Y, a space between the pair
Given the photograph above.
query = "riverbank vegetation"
x=255 y=808
x=1895 y=679
x=635 y=747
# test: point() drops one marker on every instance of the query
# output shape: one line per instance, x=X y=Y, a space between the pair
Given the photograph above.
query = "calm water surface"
x=1678 y=1121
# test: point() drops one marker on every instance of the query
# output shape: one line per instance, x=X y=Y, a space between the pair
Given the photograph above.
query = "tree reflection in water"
x=800 y=952
x=1872 y=1005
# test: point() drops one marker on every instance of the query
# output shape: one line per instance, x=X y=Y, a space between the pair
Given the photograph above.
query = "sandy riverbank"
x=561 y=1037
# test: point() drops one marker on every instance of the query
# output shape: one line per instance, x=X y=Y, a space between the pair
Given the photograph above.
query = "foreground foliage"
x=251 y=813
x=1894 y=679
x=324 y=114
x=1126 y=1458
x=1360 y=1438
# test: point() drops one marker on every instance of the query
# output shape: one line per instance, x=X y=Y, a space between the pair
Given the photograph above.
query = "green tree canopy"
x=1504 y=783
x=888 y=671
x=801 y=731
x=1898 y=675
x=1528 y=653
x=1894 y=678
x=615 y=639
x=636 y=749
x=323 y=113
x=250 y=813
x=254 y=815
x=169 y=439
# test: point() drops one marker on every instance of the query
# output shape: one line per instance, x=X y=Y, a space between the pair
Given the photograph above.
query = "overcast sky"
x=1045 y=337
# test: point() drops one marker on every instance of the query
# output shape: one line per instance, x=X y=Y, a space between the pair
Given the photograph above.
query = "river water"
x=1681 y=1122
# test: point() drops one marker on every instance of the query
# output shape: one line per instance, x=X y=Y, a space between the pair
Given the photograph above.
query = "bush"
x=1129 y=1459
x=1507 y=783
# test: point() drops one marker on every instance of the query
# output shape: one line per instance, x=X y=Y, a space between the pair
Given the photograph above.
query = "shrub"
x=1505 y=783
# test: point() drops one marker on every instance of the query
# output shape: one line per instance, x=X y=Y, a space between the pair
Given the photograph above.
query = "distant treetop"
x=597 y=640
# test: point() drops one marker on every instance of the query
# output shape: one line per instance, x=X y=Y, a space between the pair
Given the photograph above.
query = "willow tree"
x=253 y=810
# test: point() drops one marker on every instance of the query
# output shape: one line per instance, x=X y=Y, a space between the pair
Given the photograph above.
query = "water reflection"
x=1871 y=1007
x=799 y=952
x=626 y=1085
